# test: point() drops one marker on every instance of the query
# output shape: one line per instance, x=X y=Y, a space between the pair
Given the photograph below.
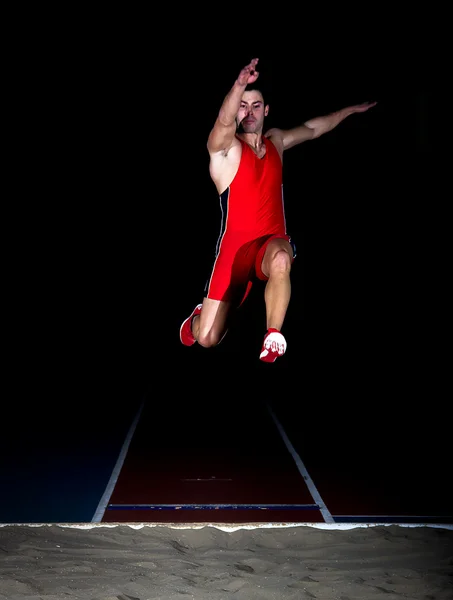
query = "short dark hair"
x=258 y=88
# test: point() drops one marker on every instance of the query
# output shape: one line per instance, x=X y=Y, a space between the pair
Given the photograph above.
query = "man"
x=246 y=168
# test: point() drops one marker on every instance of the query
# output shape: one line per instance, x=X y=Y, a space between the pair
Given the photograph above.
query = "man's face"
x=252 y=112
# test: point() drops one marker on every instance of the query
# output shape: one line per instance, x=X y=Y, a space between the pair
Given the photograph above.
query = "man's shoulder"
x=273 y=132
x=274 y=136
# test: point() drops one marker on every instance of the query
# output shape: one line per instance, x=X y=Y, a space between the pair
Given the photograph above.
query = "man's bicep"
x=221 y=137
x=297 y=135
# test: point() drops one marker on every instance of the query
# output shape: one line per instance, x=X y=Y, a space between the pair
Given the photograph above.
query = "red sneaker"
x=185 y=332
x=274 y=345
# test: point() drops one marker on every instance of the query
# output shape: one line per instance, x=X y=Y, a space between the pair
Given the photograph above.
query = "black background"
x=112 y=227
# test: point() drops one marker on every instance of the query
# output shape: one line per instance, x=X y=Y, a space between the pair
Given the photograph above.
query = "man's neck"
x=255 y=140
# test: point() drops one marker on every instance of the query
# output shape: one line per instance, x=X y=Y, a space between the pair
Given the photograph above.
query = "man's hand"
x=359 y=108
x=249 y=74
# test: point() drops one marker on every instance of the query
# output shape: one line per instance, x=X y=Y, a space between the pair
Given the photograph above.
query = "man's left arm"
x=316 y=127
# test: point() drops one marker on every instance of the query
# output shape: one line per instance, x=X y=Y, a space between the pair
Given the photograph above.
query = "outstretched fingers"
x=364 y=106
x=253 y=64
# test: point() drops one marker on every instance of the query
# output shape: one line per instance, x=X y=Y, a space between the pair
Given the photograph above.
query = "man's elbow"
x=314 y=132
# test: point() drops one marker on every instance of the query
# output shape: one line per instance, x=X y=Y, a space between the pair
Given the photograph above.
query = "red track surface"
x=190 y=465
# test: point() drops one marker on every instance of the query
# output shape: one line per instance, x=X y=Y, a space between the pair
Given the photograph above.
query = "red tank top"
x=255 y=196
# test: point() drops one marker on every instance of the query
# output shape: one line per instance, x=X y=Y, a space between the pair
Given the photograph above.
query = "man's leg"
x=209 y=327
x=230 y=280
x=276 y=265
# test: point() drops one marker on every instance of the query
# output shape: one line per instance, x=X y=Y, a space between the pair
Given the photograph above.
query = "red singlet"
x=252 y=214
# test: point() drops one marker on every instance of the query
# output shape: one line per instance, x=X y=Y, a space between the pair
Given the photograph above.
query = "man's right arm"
x=222 y=134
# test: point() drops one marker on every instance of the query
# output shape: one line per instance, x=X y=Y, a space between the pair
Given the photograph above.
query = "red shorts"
x=236 y=266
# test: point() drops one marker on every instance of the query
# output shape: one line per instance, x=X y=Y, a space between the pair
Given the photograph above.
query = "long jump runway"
x=238 y=463
x=189 y=465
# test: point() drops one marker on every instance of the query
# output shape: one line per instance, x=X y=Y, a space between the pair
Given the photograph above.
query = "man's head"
x=250 y=117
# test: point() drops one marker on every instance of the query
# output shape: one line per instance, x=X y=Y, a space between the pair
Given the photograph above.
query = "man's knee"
x=280 y=262
x=208 y=338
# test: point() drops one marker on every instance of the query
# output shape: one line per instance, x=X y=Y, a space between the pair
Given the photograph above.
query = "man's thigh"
x=214 y=315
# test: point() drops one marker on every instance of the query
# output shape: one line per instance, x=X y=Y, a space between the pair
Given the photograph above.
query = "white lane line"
x=302 y=470
x=99 y=514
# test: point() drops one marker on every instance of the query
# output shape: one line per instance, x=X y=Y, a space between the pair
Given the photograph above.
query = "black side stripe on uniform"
x=224 y=209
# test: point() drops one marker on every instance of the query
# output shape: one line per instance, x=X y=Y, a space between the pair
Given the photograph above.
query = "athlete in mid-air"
x=246 y=168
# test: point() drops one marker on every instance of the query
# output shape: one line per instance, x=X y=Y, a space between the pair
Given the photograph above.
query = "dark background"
x=112 y=228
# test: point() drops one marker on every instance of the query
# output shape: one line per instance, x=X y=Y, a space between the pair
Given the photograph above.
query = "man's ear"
x=266 y=110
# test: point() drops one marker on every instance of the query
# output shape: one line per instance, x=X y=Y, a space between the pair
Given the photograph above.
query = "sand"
x=177 y=562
